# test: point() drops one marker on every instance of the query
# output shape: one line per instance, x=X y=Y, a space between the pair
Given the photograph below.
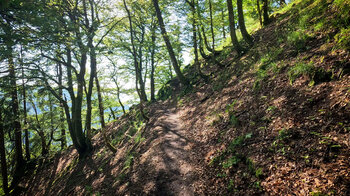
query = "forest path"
x=167 y=166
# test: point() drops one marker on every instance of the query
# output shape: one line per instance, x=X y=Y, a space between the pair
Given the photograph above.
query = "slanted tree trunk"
x=174 y=62
x=266 y=12
x=113 y=114
x=231 y=17
x=3 y=157
x=241 y=23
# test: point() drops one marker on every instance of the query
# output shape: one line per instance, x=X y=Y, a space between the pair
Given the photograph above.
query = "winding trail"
x=166 y=167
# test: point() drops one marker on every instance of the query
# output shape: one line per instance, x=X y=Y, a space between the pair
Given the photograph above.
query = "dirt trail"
x=166 y=168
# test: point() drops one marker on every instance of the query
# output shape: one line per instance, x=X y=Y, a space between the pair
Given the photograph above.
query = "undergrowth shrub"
x=300 y=69
x=342 y=39
x=298 y=40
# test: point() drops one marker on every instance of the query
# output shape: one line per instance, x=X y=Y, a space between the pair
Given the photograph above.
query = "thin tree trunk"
x=266 y=12
x=40 y=132
x=90 y=88
x=60 y=93
x=102 y=119
x=3 y=157
x=113 y=114
x=118 y=95
x=241 y=23
x=138 y=72
x=206 y=40
x=223 y=24
x=212 y=25
x=259 y=12
x=195 y=41
x=231 y=16
x=201 y=49
x=100 y=104
x=25 y=123
x=153 y=48
x=181 y=77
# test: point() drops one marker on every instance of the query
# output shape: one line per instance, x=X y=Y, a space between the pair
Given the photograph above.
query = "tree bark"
x=153 y=48
x=174 y=62
x=3 y=157
x=266 y=12
x=118 y=95
x=211 y=24
x=223 y=24
x=14 y=101
x=241 y=23
x=138 y=72
x=102 y=118
x=25 y=123
x=100 y=104
x=197 y=65
x=60 y=93
x=231 y=17
x=259 y=12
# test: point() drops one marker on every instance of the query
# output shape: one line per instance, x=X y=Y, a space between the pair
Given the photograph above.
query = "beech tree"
x=174 y=62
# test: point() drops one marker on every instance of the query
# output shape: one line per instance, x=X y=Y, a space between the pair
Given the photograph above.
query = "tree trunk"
x=266 y=12
x=181 y=77
x=100 y=104
x=118 y=95
x=90 y=88
x=153 y=48
x=212 y=25
x=60 y=93
x=102 y=118
x=3 y=157
x=206 y=40
x=195 y=40
x=25 y=124
x=16 y=125
x=138 y=73
x=259 y=12
x=282 y=3
x=241 y=23
x=231 y=17
x=113 y=114
x=223 y=24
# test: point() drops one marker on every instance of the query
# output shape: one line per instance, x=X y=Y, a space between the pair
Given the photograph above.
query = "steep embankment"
x=274 y=121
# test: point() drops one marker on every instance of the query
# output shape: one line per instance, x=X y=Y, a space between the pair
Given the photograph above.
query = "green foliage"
x=230 y=111
x=128 y=161
x=298 y=39
x=301 y=69
x=165 y=92
x=259 y=173
x=234 y=160
x=317 y=193
x=342 y=39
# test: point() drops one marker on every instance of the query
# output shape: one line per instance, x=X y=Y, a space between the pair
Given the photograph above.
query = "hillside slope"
x=274 y=121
